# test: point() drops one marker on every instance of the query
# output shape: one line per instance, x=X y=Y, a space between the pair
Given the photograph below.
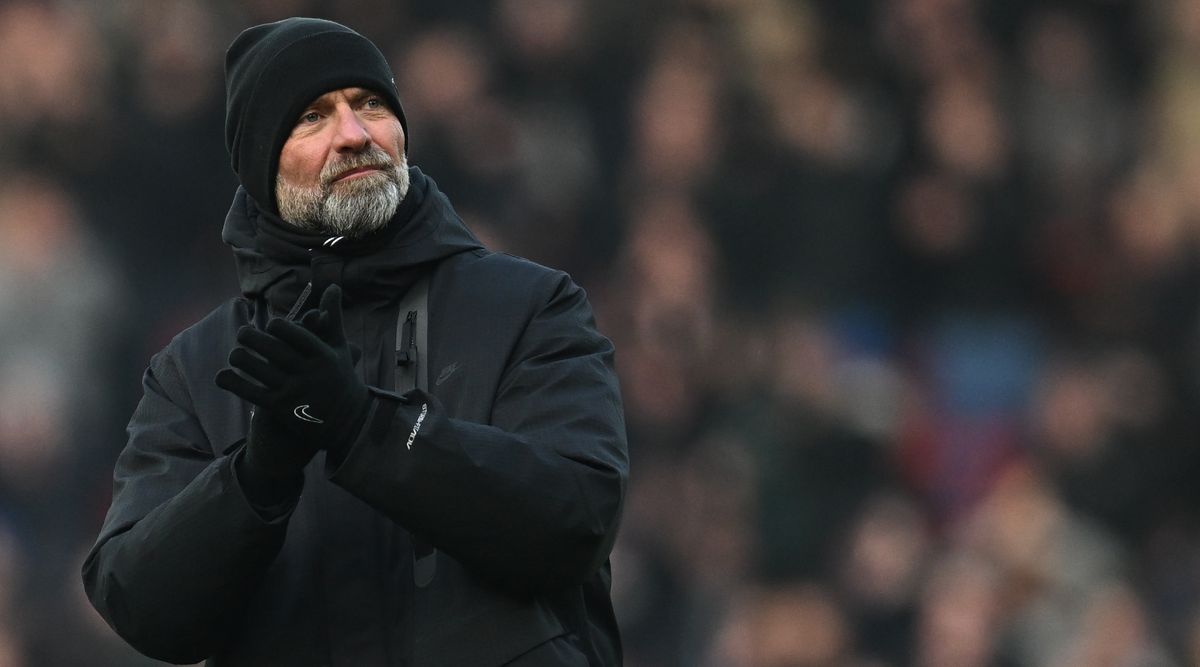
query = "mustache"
x=373 y=157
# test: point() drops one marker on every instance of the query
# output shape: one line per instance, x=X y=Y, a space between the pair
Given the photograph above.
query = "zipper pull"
x=407 y=352
x=300 y=301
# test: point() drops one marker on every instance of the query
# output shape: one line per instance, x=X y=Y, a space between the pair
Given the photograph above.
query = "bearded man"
x=395 y=447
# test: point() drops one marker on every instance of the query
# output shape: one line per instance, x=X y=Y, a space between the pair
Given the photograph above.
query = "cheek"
x=390 y=137
x=299 y=166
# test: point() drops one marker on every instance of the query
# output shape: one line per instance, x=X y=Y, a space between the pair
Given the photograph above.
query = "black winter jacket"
x=516 y=476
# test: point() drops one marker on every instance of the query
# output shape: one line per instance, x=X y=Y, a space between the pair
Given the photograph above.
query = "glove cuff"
x=357 y=409
x=272 y=495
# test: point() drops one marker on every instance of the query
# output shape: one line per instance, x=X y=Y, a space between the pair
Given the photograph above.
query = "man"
x=287 y=496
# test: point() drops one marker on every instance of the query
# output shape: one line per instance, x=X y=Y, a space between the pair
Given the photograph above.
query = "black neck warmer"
x=285 y=241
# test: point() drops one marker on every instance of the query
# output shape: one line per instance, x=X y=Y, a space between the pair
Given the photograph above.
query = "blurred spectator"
x=795 y=626
x=61 y=308
x=885 y=560
x=1070 y=123
x=676 y=112
x=170 y=132
x=1114 y=633
x=960 y=614
x=55 y=86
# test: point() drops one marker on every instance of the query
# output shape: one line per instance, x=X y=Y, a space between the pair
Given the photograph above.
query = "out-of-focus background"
x=906 y=297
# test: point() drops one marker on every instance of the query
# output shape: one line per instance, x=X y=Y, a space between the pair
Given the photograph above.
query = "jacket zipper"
x=407 y=353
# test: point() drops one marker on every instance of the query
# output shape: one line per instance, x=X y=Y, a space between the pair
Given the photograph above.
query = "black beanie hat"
x=273 y=71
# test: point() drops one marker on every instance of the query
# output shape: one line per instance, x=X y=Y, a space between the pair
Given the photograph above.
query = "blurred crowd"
x=905 y=293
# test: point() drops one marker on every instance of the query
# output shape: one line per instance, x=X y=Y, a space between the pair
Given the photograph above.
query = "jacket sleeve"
x=531 y=501
x=181 y=548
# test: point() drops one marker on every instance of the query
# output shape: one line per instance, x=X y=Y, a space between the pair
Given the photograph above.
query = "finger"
x=269 y=347
x=301 y=340
x=331 y=307
x=229 y=380
x=318 y=323
x=312 y=322
x=256 y=368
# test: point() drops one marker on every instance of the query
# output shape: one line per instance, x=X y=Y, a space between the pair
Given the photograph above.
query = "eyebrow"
x=360 y=94
x=357 y=95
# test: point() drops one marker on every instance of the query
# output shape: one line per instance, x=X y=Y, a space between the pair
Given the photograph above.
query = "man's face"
x=343 y=170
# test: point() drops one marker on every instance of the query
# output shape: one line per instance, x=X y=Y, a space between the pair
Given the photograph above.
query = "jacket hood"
x=276 y=262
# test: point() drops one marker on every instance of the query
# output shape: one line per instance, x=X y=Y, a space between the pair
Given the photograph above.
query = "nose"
x=352 y=135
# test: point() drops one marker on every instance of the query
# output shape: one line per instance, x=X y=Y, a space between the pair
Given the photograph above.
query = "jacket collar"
x=275 y=261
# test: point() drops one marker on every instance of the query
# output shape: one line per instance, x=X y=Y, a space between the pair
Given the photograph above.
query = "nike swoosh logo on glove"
x=301 y=413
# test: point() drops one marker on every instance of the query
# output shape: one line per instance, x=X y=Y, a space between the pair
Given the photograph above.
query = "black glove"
x=301 y=375
x=271 y=450
x=270 y=468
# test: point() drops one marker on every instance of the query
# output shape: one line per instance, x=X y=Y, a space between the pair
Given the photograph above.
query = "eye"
x=310 y=117
x=373 y=103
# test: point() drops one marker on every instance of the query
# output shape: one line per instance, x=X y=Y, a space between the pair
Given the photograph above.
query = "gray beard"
x=353 y=209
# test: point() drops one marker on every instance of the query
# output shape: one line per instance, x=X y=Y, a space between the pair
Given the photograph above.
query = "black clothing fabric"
x=273 y=71
x=516 y=472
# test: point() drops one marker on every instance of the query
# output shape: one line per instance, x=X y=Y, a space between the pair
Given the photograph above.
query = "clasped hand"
x=301 y=378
